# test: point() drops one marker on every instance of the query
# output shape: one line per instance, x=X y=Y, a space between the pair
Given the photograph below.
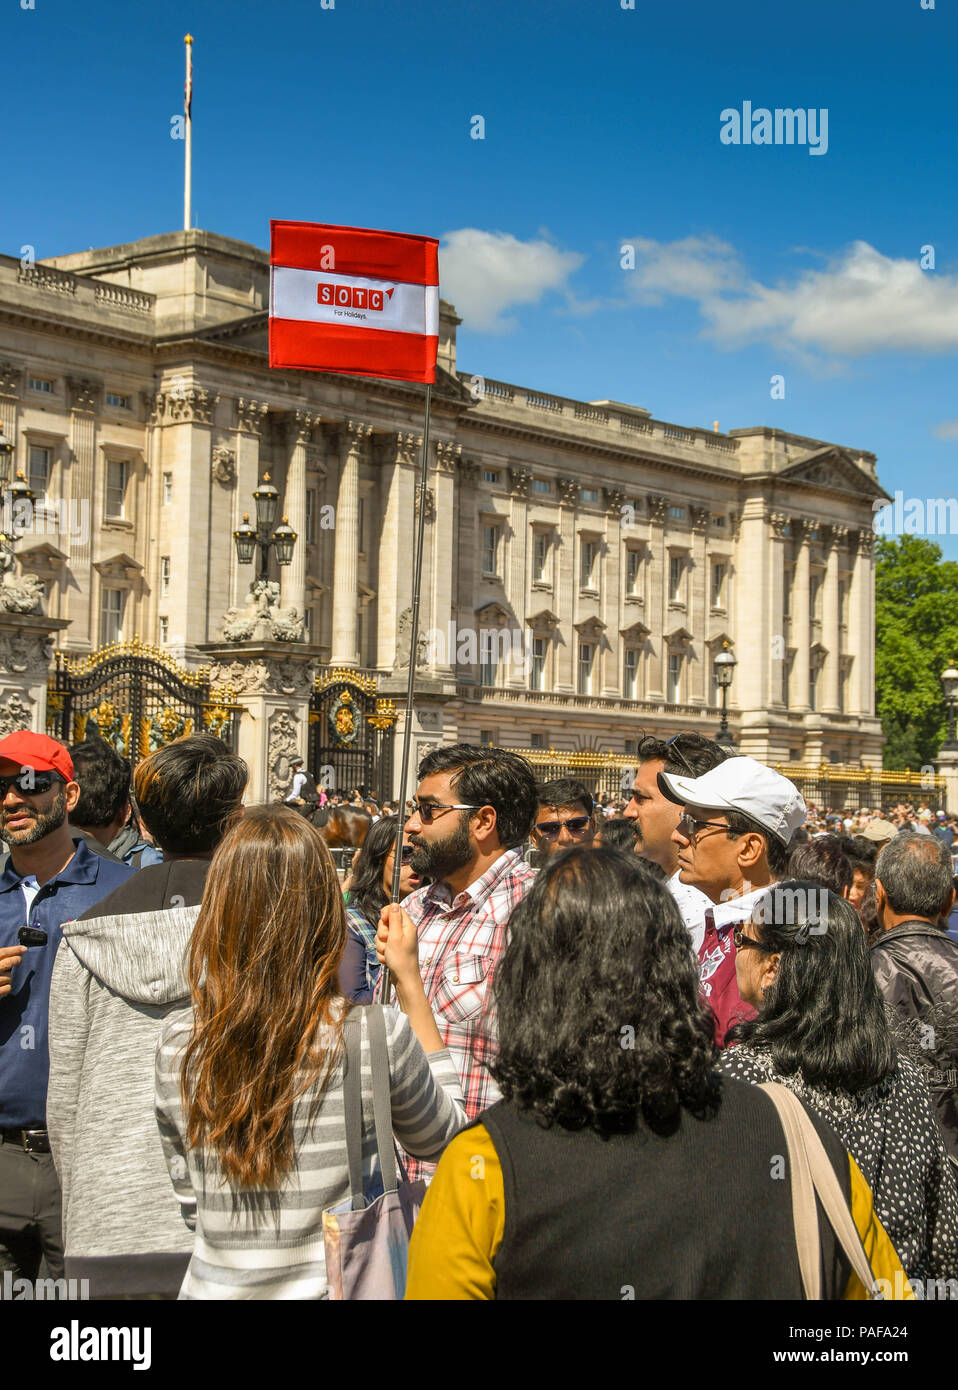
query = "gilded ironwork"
x=350 y=733
x=137 y=698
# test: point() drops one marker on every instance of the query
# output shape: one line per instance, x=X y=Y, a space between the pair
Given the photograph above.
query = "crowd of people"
x=581 y=1002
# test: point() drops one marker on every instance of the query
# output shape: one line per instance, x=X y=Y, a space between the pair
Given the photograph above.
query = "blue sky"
x=602 y=129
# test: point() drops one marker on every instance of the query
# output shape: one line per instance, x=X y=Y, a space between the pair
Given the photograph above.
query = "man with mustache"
x=50 y=877
x=733 y=841
x=474 y=809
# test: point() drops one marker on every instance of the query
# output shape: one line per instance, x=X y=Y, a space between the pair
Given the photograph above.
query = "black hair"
x=187 y=791
x=776 y=853
x=618 y=1033
x=490 y=777
x=822 y=860
x=618 y=832
x=824 y=1015
x=861 y=852
x=565 y=791
x=366 y=888
x=685 y=755
x=104 y=780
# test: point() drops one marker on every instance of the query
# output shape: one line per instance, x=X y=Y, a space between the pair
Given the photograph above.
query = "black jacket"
x=916 y=966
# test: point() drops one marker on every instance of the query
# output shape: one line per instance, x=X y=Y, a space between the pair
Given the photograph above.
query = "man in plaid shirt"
x=473 y=811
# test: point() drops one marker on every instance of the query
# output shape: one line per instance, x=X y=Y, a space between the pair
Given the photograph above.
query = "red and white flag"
x=345 y=299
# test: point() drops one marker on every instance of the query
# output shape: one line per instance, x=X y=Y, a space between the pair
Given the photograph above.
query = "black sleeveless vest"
x=703 y=1214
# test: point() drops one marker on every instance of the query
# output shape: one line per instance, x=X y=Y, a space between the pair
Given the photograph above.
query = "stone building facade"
x=584 y=563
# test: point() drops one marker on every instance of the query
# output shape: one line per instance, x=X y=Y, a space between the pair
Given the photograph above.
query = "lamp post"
x=949 y=683
x=724 y=665
x=264 y=534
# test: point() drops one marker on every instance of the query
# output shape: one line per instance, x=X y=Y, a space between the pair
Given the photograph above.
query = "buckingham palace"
x=585 y=562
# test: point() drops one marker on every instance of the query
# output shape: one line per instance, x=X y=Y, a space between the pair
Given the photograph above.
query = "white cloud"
x=485 y=274
x=859 y=302
x=948 y=429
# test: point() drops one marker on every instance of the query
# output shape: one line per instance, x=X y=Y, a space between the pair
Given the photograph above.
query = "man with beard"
x=50 y=877
x=474 y=809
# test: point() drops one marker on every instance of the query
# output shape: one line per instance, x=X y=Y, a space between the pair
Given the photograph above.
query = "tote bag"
x=812 y=1173
x=367 y=1243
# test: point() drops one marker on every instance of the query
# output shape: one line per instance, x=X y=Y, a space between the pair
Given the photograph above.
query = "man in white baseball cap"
x=733 y=842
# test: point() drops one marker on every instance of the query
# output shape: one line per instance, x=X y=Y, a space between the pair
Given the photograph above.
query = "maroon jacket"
x=717 y=980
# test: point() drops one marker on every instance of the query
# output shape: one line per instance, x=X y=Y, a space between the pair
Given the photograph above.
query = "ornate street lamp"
x=949 y=683
x=248 y=537
x=724 y=665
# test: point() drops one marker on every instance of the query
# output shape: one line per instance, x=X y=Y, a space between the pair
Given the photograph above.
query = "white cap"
x=744 y=785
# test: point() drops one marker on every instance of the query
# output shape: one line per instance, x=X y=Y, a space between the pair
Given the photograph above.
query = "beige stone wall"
x=175 y=327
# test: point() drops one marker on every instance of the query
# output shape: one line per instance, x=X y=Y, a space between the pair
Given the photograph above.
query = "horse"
x=342 y=827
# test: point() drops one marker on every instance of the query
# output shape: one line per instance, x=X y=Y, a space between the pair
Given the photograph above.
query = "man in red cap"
x=50 y=878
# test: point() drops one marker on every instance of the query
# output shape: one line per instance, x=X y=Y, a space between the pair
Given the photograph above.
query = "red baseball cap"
x=38 y=751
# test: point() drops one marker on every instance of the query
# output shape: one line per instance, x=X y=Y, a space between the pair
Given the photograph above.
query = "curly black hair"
x=597 y=1002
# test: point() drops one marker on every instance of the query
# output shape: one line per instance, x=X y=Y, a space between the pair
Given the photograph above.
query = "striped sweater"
x=268 y=1244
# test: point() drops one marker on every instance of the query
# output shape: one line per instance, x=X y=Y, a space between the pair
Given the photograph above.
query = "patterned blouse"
x=893 y=1136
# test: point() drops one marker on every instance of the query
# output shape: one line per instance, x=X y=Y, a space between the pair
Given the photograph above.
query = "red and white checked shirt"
x=460 y=941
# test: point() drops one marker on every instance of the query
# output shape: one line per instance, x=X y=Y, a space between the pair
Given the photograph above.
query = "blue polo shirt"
x=24 y=1042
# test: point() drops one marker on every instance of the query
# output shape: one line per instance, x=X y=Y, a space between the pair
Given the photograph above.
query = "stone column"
x=84 y=407
x=567 y=587
x=611 y=592
x=948 y=768
x=271 y=681
x=352 y=442
x=299 y=426
x=831 y=617
x=465 y=578
x=861 y=603
x=26 y=651
x=517 y=581
x=399 y=459
x=801 y=621
x=658 y=598
x=752 y=640
x=448 y=458
x=779 y=639
x=699 y=581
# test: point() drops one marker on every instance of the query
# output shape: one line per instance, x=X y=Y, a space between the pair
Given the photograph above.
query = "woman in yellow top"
x=620 y=1163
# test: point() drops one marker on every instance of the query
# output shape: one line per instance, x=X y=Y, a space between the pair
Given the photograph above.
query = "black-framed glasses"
x=426 y=810
x=690 y=827
x=29 y=783
x=740 y=940
x=551 y=829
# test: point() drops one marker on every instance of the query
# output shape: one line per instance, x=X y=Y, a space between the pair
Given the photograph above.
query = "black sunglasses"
x=740 y=940
x=30 y=783
x=406 y=852
x=576 y=825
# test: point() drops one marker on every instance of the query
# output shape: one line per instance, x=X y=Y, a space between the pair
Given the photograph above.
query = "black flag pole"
x=411 y=687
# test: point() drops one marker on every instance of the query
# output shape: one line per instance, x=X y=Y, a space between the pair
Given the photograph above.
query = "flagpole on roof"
x=411 y=685
x=188 y=152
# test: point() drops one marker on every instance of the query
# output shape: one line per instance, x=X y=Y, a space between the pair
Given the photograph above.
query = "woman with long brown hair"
x=249 y=1086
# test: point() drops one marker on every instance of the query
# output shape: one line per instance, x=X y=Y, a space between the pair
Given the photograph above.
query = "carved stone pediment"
x=636 y=632
x=835 y=470
x=590 y=628
x=118 y=566
x=493 y=615
x=678 y=634
x=543 y=621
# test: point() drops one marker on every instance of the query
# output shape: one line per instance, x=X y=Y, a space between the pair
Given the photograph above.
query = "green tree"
x=916 y=637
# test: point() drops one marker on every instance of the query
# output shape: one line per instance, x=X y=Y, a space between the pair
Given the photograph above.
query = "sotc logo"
x=353 y=297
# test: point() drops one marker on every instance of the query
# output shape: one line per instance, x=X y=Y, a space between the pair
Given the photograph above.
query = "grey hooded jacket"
x=119 y=974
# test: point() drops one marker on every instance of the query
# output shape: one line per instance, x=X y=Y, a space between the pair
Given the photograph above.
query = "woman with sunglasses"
x=370 y=889
x=803 y=963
